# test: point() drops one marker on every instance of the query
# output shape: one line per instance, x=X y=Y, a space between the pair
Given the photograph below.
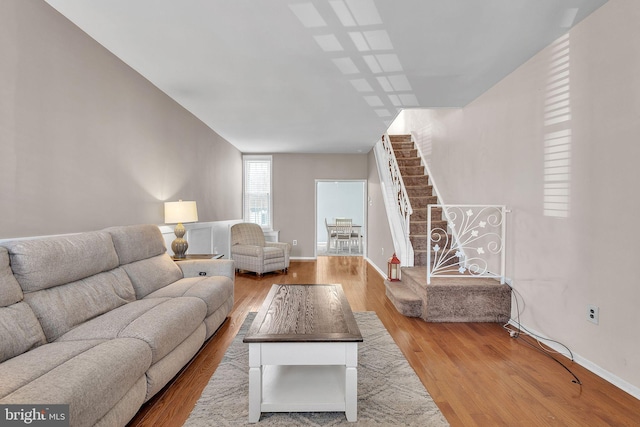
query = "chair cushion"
x=271 y=253
x=247 y=234
x=255 y=251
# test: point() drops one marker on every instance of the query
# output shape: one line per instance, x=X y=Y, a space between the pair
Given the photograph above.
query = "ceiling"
x=302 y=76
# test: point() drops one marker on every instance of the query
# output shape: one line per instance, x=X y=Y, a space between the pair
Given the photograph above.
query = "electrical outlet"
x=295 y=243
x=593 y=313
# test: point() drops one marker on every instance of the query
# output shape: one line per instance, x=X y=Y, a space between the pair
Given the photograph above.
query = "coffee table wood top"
x=304 y=313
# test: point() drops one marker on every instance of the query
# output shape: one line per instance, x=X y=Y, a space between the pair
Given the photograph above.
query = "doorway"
x=340 y=199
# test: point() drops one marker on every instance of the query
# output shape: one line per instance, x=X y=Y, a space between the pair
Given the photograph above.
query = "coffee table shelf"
x=303 y=388
x=303 y=352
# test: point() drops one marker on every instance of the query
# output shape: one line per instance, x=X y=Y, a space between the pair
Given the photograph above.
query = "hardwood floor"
x=475 y=372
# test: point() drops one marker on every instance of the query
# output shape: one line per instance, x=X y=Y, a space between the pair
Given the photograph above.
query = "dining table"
x=332 y=229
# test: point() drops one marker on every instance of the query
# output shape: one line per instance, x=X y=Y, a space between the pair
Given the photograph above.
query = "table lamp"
x=177 y=213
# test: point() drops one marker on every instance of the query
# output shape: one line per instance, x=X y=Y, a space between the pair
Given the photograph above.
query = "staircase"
x=420 y=195
x=444 y=299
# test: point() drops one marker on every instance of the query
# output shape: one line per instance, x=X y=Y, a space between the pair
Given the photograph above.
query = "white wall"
x=343 y=199
x=421 y=124
x=294 y=180
x=493 y=152
x=87 y=143
x=379 y=240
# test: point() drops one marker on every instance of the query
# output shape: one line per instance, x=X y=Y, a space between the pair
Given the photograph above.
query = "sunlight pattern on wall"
x=557 y=136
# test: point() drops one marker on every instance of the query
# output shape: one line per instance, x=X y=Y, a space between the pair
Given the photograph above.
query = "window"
x=257 y=206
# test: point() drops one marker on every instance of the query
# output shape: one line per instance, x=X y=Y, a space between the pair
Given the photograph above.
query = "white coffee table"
x=303 y=352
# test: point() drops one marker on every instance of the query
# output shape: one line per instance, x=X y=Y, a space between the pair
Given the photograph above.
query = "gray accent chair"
x=251 y=252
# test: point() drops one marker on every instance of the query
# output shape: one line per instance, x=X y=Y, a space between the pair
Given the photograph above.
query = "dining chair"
x=331 y=234
x=343 y=232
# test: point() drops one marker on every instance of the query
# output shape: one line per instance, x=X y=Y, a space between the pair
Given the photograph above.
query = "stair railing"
x=478 y=249
x=396 y=200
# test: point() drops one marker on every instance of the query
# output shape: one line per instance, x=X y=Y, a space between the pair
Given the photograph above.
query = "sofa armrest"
x=212 y=267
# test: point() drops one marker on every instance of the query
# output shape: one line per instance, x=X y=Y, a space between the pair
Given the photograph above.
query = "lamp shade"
x=177 y=212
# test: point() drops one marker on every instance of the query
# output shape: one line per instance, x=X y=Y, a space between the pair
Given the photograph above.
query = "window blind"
x=257 y=190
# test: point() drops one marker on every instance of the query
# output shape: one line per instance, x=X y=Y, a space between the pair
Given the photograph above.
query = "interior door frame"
x=364 y=213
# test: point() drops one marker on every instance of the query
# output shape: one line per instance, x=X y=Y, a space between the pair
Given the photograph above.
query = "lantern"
x=393 y=269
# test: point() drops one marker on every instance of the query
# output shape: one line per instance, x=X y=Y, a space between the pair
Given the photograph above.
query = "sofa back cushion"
x=63 y=307
x=67 y=280
x=44 y=263
x=143 y=255
x=137 y=242
x=10 y=292
x=149 y=275
x=19 y=328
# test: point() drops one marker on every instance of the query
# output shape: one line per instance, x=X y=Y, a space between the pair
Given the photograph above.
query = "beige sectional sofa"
x=103 y=320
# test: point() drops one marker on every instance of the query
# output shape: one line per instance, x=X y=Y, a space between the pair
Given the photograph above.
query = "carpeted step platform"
x=451 y=299
x=404 y=299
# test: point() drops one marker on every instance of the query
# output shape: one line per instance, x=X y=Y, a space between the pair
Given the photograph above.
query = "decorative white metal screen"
x=471 y=244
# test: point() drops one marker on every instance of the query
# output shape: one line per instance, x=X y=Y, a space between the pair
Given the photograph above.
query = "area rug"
x=389 y=391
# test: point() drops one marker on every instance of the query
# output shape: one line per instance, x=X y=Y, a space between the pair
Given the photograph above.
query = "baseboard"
x=371 y=263
x=302 y=258
x=587 y=364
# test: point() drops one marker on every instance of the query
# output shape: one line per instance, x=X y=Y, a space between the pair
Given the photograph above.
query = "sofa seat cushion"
x=160 y=373
x=214 y=290
x=163 y=323
x=91 y=376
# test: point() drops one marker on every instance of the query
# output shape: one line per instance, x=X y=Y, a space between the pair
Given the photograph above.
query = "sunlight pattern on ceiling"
x=380 y=80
